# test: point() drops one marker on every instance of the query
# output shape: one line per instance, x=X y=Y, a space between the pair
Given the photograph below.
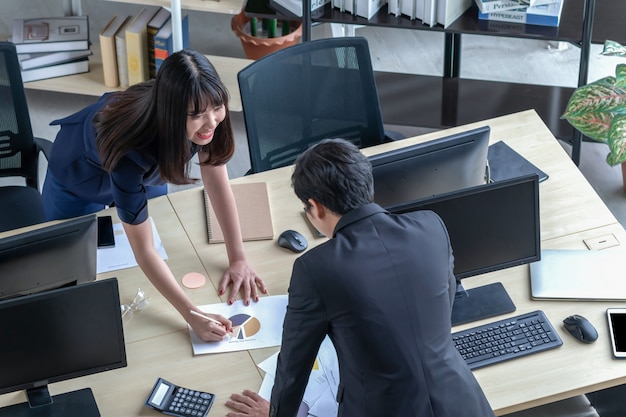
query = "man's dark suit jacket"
x=382 y=289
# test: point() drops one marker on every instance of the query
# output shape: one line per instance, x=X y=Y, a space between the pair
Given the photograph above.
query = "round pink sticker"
x=194 y=280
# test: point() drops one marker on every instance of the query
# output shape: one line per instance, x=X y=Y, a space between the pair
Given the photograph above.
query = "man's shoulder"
x=422 y=219
x=420 y=216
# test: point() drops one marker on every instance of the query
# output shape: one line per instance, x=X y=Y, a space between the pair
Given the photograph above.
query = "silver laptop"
x=579 y=275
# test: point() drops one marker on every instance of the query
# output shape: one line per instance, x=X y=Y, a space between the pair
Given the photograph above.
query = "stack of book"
x=430 y=12
x=51 y=47
x=133 y=47
x=531 y=12
x=294 y=7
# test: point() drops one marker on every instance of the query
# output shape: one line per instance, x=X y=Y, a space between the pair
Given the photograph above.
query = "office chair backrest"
x=308 y=92
x=18 y=153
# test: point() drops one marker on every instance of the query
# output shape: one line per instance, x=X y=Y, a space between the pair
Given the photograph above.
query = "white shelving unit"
x=92 y=82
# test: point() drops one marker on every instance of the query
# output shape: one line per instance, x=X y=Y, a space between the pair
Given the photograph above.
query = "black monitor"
x=430 y=168
x=58 y=335
x=48 y=257
x=491 y=227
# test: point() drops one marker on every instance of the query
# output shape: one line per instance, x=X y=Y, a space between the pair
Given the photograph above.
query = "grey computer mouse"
x=292 y=240
x=580 y=328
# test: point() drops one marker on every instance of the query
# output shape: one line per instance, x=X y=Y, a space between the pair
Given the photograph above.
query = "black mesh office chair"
x=307 y=92
x=20 y=205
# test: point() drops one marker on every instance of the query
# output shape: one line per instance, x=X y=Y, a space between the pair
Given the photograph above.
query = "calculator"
x=178 y=401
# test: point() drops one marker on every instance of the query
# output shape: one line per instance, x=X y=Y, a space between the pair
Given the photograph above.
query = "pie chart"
x=244 y=326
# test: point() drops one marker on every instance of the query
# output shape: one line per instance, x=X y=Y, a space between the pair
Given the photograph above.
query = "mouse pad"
x=579 y=275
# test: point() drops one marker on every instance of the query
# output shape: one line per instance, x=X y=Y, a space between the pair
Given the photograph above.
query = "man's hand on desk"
x=248 y=404
x=243 y=277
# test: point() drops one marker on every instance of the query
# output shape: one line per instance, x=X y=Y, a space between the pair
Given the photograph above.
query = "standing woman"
x=122 y=150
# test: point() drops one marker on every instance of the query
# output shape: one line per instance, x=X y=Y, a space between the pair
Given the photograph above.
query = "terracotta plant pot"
x=257 y=47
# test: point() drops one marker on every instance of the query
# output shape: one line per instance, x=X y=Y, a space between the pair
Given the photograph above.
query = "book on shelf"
x=69 y=68
x=363 y=8
x=516 y=28
x=43 y=59
x=137 y=46
x=490 y=6
x=394 y=7
x=450 y=10
x=50 y=34
x=120 y=54
x=534 y=3
x=544 y=15
x=418 y=8
x=164 y=42
x=34 y=48
x=294 y=7
x=156 y=23
x=413 y=9
x=430 y=12
x=108 y=50
x=253 y=207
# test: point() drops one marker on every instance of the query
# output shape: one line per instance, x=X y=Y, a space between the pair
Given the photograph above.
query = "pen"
x=195 y=313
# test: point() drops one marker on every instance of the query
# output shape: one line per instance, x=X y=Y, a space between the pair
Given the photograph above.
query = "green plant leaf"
x=620 y=76
x=598 y=109
x=599 y=96
x=593 y=106
x=612 y=48
x=594 y=125
x=617 y=141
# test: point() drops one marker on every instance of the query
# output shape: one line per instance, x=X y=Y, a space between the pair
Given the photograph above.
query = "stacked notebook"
x=253 y=207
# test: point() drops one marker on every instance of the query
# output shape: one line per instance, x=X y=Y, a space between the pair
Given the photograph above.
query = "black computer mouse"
x=580 y=328
x=292 y=240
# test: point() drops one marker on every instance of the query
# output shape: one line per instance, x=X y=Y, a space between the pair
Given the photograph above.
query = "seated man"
x=382 y=289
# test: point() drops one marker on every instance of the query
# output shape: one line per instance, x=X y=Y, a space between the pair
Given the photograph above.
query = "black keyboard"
x=506 y=339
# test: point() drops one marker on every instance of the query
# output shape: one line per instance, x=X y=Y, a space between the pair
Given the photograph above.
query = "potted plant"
x=260 y=37
x=598 y=109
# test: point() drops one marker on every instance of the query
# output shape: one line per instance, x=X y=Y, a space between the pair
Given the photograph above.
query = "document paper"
x=321 y=391
x=121 y=255
x=256 y=326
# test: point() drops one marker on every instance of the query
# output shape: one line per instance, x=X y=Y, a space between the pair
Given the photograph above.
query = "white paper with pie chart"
x=244 y=326
x=256 y=326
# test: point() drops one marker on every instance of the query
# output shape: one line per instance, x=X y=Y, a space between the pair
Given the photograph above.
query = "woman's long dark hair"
x=186 y=83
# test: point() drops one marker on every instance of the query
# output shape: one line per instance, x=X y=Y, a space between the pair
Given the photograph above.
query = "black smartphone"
x=106 y=238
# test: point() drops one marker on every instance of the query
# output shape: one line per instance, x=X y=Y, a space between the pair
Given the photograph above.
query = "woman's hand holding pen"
x=210 y=327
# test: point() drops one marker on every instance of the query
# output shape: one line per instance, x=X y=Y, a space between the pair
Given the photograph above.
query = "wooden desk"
x=158 y=342
x=157 y=339
x=570 y=212
x=568 y=202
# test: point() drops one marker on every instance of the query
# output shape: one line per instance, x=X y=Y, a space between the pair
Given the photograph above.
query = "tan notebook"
x=253 y=206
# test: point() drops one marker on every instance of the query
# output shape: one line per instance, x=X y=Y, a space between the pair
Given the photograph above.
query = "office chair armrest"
x=44 y=146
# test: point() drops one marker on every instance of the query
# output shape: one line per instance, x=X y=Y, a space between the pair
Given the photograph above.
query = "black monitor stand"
x=80 y=403
x=480 y=303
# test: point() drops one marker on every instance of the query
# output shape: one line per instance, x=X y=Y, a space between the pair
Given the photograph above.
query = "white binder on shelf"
x=450 y=10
